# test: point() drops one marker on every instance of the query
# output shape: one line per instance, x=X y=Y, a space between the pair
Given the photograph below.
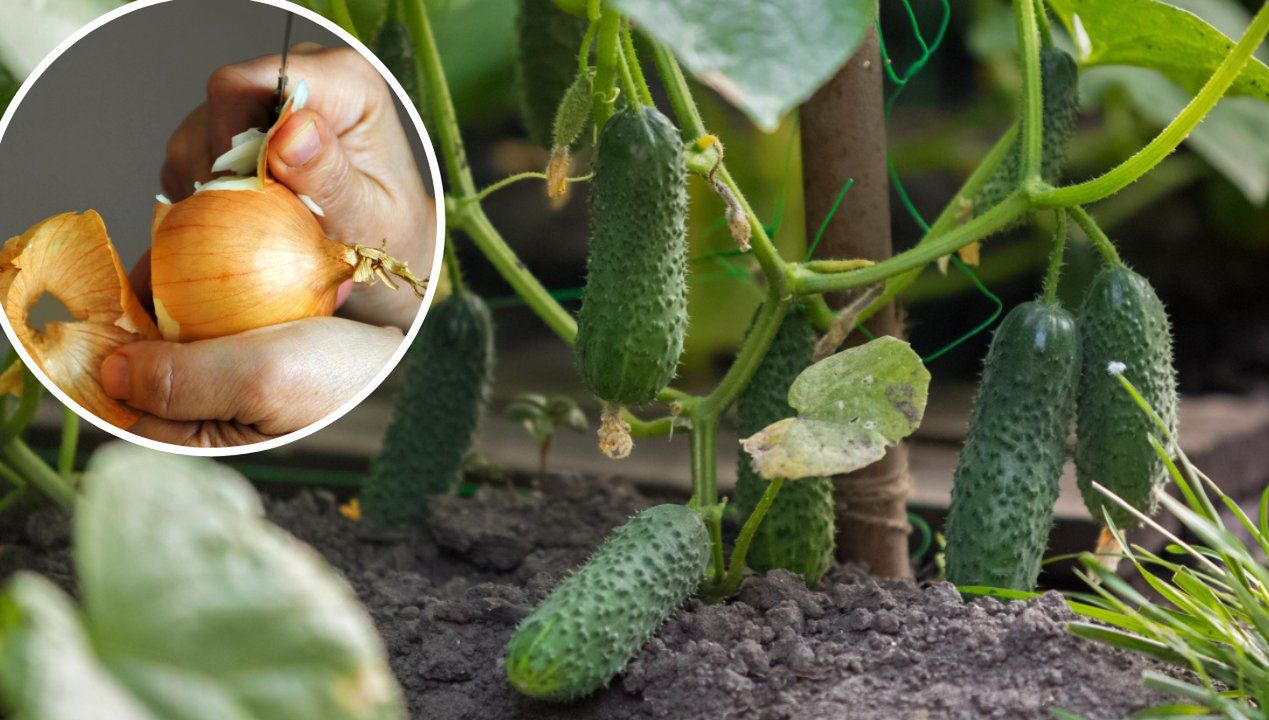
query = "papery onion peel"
x=70 y=257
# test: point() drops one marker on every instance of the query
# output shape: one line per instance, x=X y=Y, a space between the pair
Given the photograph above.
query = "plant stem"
x=70 y=442
x=1171 y=136
x=1095 y=235
x=441 y=104
x=1054 y=272
x=1042 y=19
x=339 y=13
x=807 y=281
x=452 y=267
x=518 y=177
x=740 y=550
x=704 y=435
x=1032 y=109
x=22 y=459
x=689 y=117
x=752 y=350
x=632 y=60
x=607 y=64
x=947 y=219
x=628 y=82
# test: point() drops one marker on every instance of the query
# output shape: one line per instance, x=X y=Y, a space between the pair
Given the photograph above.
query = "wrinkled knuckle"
x=160 y=384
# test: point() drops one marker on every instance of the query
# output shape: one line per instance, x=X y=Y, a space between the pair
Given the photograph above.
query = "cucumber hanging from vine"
x=633 y=318
x=1122 y=321
x=796 y=534
x=1059 y=78
x=547 y=44
x=437 y=414
x=1006 y=480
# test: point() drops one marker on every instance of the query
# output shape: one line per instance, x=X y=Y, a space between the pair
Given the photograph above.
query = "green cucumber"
x=1122 y=320
x=1006 y=480
x=1059 y=78
x=633 y=318
x=796 y=534
x=396 y=49
x=590 y=626
x=548 y=41
x=437 y=413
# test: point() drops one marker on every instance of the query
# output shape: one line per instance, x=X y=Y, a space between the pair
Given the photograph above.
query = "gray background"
x=92 y=131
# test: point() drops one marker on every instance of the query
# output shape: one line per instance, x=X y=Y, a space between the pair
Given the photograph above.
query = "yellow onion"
x=70 y=257
x=244 y=252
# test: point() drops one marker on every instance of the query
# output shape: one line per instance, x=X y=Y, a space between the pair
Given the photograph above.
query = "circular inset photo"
x=222 y=231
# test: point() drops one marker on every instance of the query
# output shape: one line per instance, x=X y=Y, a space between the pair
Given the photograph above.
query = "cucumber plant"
x=844 y=410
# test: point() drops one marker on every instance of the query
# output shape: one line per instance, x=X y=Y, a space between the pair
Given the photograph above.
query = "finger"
x=211 y=433
x=307 y=156
x=239 y=97
x=188 y=158
x=194 y=381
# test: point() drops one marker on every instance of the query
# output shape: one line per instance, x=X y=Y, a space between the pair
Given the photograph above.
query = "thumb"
x=306 y=155
x=194 y=381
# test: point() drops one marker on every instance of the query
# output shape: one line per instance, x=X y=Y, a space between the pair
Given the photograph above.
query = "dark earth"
x=446 y=600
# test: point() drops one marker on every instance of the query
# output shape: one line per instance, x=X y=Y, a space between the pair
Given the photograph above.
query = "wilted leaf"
x=1153 y=34
x=197 y=608
x=764 y=57
x=851 y=407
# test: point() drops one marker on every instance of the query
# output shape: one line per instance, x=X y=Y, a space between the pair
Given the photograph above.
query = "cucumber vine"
x=617 y=70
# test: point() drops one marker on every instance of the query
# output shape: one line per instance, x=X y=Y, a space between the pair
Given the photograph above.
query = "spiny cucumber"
x=1006 y=480
x=796 y=534
x=437 y=412
x=548 y=41
x=633 y=318
x=1122 y=320
x=590 y=626
x=1059 y=78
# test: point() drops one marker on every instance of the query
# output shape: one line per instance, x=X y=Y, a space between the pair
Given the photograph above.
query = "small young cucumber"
x=590 y=626
x=1123 y=321
x=1059 y=79
x=1006 y=479
x=633 y=318
x=436 y=415
x=796 y=534
x=548 y=41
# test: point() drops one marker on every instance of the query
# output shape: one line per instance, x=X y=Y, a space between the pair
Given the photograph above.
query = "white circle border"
x=392 y=363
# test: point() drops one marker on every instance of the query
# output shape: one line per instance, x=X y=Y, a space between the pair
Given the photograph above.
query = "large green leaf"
x=368 y=16
x=202 y=610
x=851 y=407
x=1153 y=34
x=31 y=29
x=764 y=57
x=1231 y=137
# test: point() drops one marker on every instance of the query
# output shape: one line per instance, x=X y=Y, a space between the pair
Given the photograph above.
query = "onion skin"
x=227 y=261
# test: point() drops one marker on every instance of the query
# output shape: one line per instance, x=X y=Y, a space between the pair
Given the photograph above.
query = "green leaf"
x=764 y=57
x=31 y=29
x=1230 y=137
x=45 y=653
x=1153 y=34
x=200 y=609
x=368 y=16
x=8 y=88
x=851 y=407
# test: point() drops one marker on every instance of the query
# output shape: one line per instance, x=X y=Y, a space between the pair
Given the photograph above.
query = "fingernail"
x=301 y=146
x=114 y=376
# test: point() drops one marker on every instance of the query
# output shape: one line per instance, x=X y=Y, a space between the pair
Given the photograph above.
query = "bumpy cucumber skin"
x=1122 y=320
x=437 y=413
x=633 y=318
x=1006 y=480
x=395 y=48
x=796 y=534
x=590 y=626
x=547 y=43
x=1060 y=89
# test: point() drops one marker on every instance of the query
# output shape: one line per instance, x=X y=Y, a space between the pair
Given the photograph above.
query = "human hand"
x=248 y=387
x=346 y=150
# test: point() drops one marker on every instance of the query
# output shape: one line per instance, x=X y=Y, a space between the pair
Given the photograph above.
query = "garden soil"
x=447 y=598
